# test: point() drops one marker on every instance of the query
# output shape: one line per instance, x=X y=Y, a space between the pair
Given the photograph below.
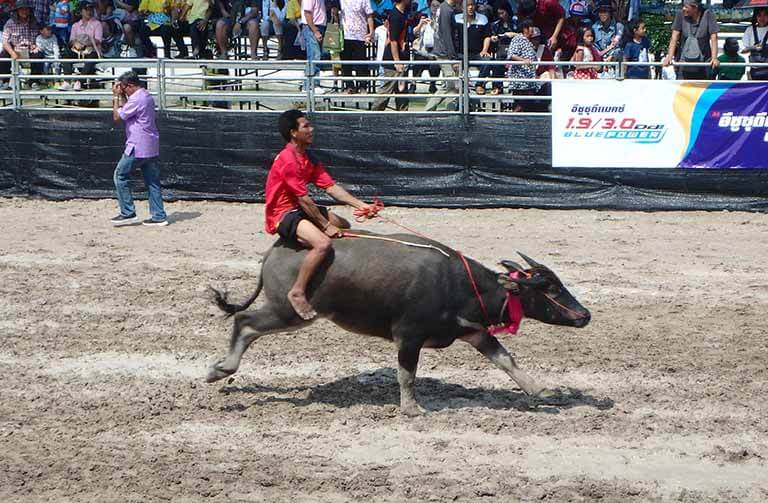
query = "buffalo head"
x=543 y=295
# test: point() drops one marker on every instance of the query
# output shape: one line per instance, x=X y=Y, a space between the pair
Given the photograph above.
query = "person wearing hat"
x=755 y=43
x=608 y=32
x=730 y=55
x=694 y=40
x=18 y=40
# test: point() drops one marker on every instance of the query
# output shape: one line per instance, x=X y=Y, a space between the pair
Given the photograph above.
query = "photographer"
x=134 y=105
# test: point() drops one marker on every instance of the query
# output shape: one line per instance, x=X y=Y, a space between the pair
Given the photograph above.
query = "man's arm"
x=313 y=212
x=338 y=193
x=713 y=48
x=117 y=100
x=671 y=49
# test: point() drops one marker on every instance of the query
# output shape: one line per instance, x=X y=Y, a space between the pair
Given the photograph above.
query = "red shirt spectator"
x=546 y=15
x=287 y=182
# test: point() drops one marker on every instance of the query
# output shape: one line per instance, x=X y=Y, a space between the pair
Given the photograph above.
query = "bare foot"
x=300 y=304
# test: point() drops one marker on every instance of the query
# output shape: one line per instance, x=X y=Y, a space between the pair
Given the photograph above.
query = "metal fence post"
x=310 y=86
x=16 y=83
x=161 y=82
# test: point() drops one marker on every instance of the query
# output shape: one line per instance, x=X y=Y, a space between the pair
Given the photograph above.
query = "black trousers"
x=167 y=34
x=354 y=50
x=199 y=37
x=5 y=66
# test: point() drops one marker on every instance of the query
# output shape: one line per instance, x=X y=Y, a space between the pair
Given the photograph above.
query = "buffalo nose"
x=584 y=320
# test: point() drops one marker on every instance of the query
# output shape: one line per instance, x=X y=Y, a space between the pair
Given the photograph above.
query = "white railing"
x=258 y=86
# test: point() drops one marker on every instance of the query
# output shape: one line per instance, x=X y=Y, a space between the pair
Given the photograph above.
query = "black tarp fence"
x=437 y=161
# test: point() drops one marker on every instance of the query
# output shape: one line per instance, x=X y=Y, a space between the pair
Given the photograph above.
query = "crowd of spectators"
x=528 y=34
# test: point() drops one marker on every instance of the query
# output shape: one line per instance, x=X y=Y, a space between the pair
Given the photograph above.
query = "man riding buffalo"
x=292 y=214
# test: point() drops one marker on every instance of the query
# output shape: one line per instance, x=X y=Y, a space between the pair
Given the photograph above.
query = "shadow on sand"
x=381 y=388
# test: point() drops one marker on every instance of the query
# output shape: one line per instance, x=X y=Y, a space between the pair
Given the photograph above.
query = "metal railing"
x=257 y=86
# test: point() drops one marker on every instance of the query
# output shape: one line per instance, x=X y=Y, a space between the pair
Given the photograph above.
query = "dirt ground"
x=106 y=335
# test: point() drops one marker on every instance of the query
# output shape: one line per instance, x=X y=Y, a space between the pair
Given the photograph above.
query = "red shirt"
x=548 y=13
x=287 y=182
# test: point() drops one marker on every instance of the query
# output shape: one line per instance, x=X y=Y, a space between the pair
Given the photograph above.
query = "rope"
x=382 y=238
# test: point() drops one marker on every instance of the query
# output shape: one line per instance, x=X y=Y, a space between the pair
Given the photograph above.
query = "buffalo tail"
x=220 y=298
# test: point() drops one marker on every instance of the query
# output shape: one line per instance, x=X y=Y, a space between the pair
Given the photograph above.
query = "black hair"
x=581 y=32
x=629 y=33
x=754 y=14
x=129 y=78
x=525 y=23
x=731 y=47
x=289 y=121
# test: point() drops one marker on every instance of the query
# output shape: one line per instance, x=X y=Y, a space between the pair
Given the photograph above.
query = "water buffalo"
x=416 y=297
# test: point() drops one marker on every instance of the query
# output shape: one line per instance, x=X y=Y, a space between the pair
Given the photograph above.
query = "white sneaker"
x=77 y=86
x=65 y=86
x=319 y=90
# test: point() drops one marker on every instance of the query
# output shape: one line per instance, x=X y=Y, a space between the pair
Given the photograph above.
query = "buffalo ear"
x=508 y=283
x=512 y=266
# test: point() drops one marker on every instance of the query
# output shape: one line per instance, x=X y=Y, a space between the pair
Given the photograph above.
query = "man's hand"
x=117 y=89
x=14 y=55
x=666 y=61
x=399 y=68
x=715 y=63
x=318 y=36
x=202 y=24
x=552 y=42
x=368 y=38
x=485 y=54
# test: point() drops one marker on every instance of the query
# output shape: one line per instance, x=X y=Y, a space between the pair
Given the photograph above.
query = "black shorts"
x=290 y=222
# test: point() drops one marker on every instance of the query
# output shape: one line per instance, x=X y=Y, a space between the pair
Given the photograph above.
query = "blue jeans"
x=150 y=168
x=314 y=51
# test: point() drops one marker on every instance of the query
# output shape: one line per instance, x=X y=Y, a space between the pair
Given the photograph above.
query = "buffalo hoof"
x=413 y=410
x=216 y=372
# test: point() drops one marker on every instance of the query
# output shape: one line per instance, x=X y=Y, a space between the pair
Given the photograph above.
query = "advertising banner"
x=659 y=124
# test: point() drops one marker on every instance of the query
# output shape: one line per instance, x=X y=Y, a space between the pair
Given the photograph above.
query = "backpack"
x=691 y=50
x=760 y=56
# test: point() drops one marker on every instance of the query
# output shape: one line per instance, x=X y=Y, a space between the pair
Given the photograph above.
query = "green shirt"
x=730 y=72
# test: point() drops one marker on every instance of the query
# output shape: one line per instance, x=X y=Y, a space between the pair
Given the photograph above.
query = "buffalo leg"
x=492 y=349
x=248 y=327
x=408 y=361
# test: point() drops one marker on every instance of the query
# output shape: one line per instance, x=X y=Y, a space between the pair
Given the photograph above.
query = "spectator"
x=62 y=20
x=197 y=14
x=578 y=13
x=502 y=31
x=291 y=29
x=85 y=41
x=271 y=23
x=245 y=16
x=157 y=21
x=423 y=44
x=543 y=53
x=478 y=40
x=445 y=48
x=133 y=41
x=110 y=27
x=521 y=50
x=636 y=49
x=133 y=105
x=6 y=8
x=313 y=20
x=357 y=21
x=585 y=52
x=730 y=55
x=41 y=10
x=694 y=40
x=48 y=48
x=395 y=51
x=755 y=43
x=608 y=32
x=547 y=15
x=19 y=35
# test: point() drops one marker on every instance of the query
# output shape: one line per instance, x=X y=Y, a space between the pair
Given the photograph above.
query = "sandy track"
x=105 y=336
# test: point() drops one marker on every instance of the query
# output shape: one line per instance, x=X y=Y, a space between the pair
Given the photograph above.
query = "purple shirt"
x=142 y=136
